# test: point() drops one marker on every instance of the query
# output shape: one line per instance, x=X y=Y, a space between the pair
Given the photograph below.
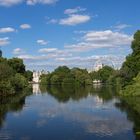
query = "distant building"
x=98 y=67
x=37 y=74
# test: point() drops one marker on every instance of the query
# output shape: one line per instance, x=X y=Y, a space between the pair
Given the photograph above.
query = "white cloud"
x=74 y=19
x=121 y=26
x=101 y=39
x=4 y=41
x=33 y=2
x=8 y=3
x=26 y=57
x=90 y=40
x=42 y=42
x=52 y=21
x=48 y=50
x=18 y=51
x=108 y=37
x=74 y=10
x=25 y=26
x=7 y=30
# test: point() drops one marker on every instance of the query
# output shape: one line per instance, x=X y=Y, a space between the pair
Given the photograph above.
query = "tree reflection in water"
x=67 y=92
x=12 y=103
x=131 y=105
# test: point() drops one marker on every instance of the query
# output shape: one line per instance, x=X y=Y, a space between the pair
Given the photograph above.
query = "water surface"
x=66 y=113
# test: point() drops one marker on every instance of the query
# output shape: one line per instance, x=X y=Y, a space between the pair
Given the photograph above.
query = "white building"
x=37 y=74
x=98 y=67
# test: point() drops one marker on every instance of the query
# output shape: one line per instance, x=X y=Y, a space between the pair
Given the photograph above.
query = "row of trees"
x=63 y=75
x=13 y=76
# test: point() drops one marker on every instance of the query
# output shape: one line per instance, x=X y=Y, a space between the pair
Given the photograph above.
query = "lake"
x=67 y=113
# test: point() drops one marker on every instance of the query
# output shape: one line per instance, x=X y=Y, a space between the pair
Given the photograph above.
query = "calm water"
x=91 y=113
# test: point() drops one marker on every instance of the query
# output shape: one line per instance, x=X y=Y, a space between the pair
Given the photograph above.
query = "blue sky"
x=77 y=33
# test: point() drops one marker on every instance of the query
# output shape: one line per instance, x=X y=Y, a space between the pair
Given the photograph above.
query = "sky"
x=76 y=33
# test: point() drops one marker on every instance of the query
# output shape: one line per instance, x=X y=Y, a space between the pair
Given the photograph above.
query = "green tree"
x=17 y=65
x=55 y=79
x=133 y=89
x=19 y=82
x=131 y=66
x=6 y=72
x=29 y=75
x=105 y=73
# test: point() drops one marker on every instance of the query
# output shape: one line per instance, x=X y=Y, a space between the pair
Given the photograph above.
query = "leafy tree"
x=6 y=72
x=63 y=75
x=55 y=79
x=19 y=82
x=17 y=65
x=131 y=66
x=133 y=89
x=29 y=75
x=12 y=76
x=103 y=74
x=6 y=88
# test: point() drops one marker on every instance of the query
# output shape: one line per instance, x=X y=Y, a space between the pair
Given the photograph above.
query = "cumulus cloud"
x=74 y=10
x=8 y=3
x=25 y=26
x=101 y=39
x=7 y=30
x=4 y=41
x=42 y=42
x=33 y=2
x=74 y=19
x=48 y=50
x=18 y=51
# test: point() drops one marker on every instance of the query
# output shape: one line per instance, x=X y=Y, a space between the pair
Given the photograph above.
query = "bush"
x=133 y=89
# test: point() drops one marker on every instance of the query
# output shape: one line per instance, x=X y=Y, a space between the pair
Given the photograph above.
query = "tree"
x=29 y=75
x=105 y=73
x=63 y=75
x=17 y=65
x=19 y=82
x=133 y=89
x=12 y=76
x=6 y=72
x=55 y=79
x=131 y=66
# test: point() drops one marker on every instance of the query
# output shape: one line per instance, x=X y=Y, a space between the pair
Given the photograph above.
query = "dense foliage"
x=131 y=67
x=13 y=76
x=134 y=88
x=103 y=74
x=63 y=75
